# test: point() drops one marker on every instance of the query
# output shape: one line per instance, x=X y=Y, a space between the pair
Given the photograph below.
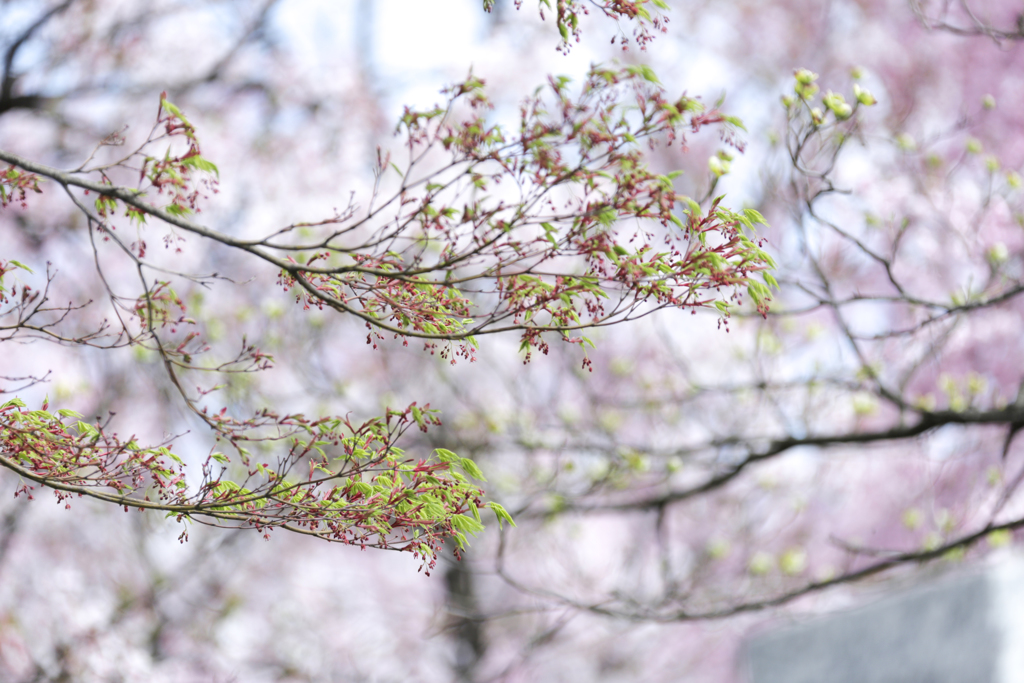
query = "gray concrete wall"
x=967 y=629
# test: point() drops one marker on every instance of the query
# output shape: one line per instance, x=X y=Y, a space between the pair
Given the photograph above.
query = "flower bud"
x=793 y=561
x=805 y=91
x=856 y=73
x=1013 y=179
x=837 y=104
x=1000 y=538
x=997 y=254
x=761 y=563
x=974 y=146
x=718 y=549
x=817 y=116
x=906 y=142
x=718 y=166
x=912 y=518
x=864 y=404
x=788 y=101
x=991 y=163
x=863 y=96
x=988 y=102
x=805 y=76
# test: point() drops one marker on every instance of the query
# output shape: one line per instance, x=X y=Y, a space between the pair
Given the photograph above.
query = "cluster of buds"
x=14 y=186
x=863 y=96
x=720 y=164
x=837 y=104
x=806 y=88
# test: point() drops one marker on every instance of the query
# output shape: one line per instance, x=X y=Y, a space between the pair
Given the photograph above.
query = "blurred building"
x=963 y=629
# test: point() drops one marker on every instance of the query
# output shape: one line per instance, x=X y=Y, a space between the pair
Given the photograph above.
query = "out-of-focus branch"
x=969 y=25
x=8 y=78
x=1010 y=416
x=668 y=613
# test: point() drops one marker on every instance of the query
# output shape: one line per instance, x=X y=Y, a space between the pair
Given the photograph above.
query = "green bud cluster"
x=836 y=103
x=720 y=164
x=863 y=96
x=805 y=86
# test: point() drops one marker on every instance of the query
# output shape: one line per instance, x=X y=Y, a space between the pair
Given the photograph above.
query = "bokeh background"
x=899 y=300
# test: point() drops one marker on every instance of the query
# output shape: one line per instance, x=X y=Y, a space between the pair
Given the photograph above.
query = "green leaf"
x=736 y=122
x=550 y=232
x=754 y=216
x=86 y=429
x=445 y=455
x=467 y=524
x=363 y=488
x=170 y=107
x=177 y=210
x=471 y=468
x=646 y=72
x=502 y=514
x=199 y=163
x=166 y=104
